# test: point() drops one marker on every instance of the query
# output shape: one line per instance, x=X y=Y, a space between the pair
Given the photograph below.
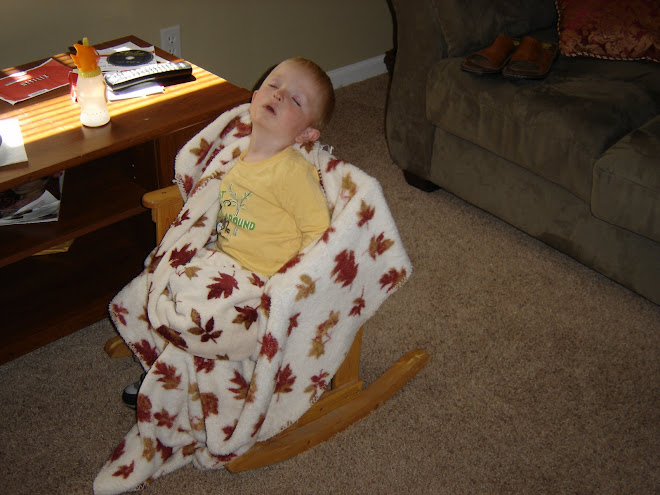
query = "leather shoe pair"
x=527 y=58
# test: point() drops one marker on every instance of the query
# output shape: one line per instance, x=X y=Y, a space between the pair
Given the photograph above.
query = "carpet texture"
x=544 y=375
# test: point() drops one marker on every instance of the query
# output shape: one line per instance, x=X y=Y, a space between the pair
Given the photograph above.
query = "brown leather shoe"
x=493 y=59
x=532 y=59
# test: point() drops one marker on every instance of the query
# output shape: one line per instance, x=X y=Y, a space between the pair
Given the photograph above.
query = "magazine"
x=35 y=202
x=32 y=82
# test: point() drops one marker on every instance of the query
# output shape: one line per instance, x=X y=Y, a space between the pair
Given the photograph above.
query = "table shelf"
x=107 y=171
x=94 y=196
x=48 y=297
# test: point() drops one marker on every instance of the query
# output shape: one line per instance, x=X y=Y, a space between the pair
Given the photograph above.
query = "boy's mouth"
x=270 y=109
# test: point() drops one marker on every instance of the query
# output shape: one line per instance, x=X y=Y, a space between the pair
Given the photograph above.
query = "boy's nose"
x=277 y=94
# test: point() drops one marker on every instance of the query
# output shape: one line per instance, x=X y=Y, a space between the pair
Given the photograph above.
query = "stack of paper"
x=144 y=89
x=35 y=202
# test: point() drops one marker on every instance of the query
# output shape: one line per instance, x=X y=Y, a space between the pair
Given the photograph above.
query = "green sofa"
x=573 y=159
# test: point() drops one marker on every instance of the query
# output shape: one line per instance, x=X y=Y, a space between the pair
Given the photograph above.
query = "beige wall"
x=235 y=39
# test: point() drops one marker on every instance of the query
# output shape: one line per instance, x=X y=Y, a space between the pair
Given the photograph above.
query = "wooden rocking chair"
x=344 y=403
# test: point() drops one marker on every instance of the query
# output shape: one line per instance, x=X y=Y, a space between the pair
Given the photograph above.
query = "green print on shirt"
x=225 y=218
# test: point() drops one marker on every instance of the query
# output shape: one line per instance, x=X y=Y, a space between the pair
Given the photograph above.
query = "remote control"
x=153 y=72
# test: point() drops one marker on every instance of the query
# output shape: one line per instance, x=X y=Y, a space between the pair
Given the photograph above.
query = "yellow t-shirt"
x=270 y=210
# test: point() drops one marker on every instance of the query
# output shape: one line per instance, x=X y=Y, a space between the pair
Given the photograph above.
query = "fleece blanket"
x=232 y=358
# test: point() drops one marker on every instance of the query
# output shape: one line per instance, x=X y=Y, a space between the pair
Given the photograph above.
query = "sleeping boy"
x=271 y=201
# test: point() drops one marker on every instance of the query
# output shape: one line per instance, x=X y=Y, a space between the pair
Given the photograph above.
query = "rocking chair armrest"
x=162 y=197
x=165 y=205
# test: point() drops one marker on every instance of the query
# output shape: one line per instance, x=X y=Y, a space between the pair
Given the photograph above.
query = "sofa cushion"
x=610 y=29
x=626 y=188
x=557 y=127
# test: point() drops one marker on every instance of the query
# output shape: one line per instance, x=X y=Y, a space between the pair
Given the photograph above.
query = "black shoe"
x=130 y=393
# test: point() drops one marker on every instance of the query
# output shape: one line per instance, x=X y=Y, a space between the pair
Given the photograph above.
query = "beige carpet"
x=544 y=378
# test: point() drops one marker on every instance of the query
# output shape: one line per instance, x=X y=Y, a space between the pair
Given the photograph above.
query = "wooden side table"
x=108 y=169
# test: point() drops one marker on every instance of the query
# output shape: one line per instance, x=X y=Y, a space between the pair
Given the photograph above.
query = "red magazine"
x=32 y=82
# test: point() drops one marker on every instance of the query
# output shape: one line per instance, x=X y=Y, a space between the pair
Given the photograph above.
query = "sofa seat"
x=557 y=127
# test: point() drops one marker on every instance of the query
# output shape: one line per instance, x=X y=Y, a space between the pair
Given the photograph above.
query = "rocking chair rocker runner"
x=344 y=403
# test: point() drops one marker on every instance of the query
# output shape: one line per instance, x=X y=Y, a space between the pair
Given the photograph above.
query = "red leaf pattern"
x=265 y=303
x=365 y=214
x=291 y=263
x=212 y=155
x=178 y=258
x=172 y=336
x=143 y=409
x=183 y=216
x=359 y=305
x=186 y=394
x=204 y=365
x=326 y=235
x=118 y=313
x=241 y=390
x=223 y=287
x=246 y=316
x=332 y=164
x=118 y=452
x=209 y=403
x=392 y=278
x=293 y=323
x=126 y=470
x=229 y=430
x=146 y=351
x=201 y=151
x=256 y=281
x=241 y=128
x=284 y=380
x=257 y=425
x=165 y=452
x=188 y=183
x=165 y=419
x=269 y=346
x=379 y=245
x=168 y=375
x=318 y=385
x=346 y=268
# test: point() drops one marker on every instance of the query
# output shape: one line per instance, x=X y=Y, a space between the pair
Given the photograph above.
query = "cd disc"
x=129 y=58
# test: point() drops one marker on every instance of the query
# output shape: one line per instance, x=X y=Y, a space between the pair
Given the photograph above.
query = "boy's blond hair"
x=326 y=91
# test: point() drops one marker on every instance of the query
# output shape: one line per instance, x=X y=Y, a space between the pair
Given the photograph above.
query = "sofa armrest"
x=626 y=182
x=430 y=30
x=419 y=43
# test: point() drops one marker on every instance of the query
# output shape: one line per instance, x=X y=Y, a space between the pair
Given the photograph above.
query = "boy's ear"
x=309 y=134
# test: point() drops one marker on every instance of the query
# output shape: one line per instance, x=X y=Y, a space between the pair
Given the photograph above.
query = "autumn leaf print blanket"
x=233 y=358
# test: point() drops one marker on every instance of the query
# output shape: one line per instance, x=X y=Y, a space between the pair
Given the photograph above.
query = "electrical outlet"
x=170 y=40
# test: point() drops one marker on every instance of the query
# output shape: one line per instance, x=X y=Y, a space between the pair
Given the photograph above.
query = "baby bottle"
x=90 y=88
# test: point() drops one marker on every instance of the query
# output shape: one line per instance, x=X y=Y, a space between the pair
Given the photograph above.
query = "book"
x=23 y=85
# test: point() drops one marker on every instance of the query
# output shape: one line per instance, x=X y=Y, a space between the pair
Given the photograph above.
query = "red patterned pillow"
x=612 y=29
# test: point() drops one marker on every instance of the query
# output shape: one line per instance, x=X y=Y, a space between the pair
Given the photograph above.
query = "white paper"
x=145 y=89
x=12 y=148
